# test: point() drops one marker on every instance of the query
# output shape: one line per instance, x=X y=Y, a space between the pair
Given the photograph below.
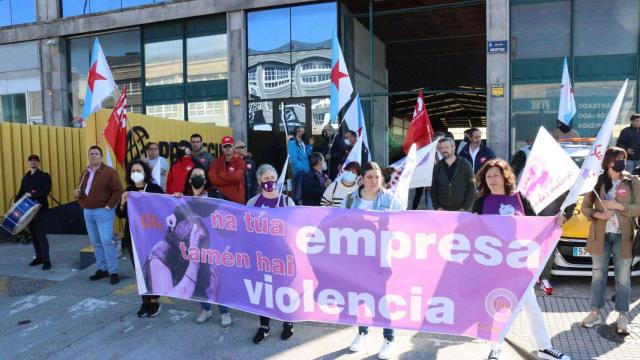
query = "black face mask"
x=179 y=153
x=197 y=181
x=564 y=128
x=619 y=165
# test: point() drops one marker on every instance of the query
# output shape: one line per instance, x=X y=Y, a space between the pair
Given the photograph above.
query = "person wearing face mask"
x=270 y=197
x=346 y=184
x=177 y=177
x=198 y=185
x=138 y=178
x=299 y=157
x=564 y=132
x=333 y=149
x=315 y=181
x=611 y=233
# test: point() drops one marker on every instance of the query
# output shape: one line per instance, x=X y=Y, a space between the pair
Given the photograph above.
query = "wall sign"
x=497 y=47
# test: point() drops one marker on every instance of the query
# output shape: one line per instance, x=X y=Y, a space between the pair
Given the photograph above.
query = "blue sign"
x=496 y=47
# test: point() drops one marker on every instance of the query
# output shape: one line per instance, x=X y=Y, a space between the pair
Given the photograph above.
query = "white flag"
x=567 y=107
x=355 y=154
x=548 y=173
x=402 y=187
x=592 y=165
x=354 y=119
x=283 y=175
x=425 y=160
x=156 y=172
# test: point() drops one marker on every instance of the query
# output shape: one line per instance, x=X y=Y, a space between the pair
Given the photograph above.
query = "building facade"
x=263 y=67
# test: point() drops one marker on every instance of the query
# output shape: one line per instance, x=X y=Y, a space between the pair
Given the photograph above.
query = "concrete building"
x=254 y=64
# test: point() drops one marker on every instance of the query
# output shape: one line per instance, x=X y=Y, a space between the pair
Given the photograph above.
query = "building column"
x=498 y=129
x=53 y=72
x=237 y=79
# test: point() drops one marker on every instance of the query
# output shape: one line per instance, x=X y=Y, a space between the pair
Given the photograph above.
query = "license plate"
x=580 y=251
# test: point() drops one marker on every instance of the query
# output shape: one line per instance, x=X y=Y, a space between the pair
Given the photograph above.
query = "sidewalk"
x=62 y=315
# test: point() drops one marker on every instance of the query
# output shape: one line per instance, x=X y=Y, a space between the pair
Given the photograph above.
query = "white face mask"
x=137 y=177
x=347 y=142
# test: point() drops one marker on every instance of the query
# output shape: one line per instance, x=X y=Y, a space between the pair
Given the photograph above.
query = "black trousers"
x=39 y=236
x=145 y=298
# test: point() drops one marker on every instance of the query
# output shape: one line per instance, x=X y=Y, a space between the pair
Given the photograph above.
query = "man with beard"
x=333 y=150
x=453 y=185
x=200 y=155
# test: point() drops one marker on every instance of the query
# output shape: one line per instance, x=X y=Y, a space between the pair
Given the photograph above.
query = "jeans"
x=537 y=329
x=297 y=186
x=207 y=307
x=100 y=229
x=622 y=270
x=631 y=164
x=387 y=333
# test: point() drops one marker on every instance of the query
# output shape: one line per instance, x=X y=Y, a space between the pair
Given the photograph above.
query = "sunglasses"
x=241 y=147
x=226 y=146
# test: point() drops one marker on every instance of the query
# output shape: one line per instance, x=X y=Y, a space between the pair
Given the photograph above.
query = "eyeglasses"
x=241 y=147
x=226 y=146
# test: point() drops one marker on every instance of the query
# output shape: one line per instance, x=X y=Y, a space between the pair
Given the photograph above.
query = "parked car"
x=571 y=257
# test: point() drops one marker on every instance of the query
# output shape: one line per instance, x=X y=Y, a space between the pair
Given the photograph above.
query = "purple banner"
x=444 y=272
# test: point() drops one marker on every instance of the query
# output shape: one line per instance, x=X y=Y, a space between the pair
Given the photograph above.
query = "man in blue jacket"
x=475 y=152
x=299 y=157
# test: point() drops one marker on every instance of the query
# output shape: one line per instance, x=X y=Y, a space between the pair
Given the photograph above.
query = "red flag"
x=420 y=130
x=116 y=130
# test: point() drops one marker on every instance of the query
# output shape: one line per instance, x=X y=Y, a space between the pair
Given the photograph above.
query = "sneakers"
x=358 y=342
x=225 y=320
x=36 y=261
x=143 y=310
x=114 y=278
x=494 y=354
x=153 y=309
x=46 y=265
x=545 y=286
x=100 y=274
x=552 y=354
x=263 y=332
x=387 y=350
x=287 y=331
x=591 y=320
x=623 y=325
x=204 y=316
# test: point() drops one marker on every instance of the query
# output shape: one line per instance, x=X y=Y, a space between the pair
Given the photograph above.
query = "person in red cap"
x=226 y=172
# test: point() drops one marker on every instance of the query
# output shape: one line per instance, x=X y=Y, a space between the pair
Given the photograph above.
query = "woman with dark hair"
x=138 y=178
x=498 y=196
x=346 y=184
x=372 y=196
x=314 y=182
x=612 y=206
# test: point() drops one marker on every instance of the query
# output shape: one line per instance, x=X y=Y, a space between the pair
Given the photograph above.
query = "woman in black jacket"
x=138 y=178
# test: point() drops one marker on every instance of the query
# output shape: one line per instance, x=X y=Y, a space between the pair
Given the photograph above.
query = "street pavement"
x=60 y=314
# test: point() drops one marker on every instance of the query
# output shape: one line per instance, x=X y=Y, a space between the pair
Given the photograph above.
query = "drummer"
x=37 y=185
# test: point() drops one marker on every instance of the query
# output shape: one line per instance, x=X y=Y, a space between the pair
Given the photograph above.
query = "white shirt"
x=473 y=154
x=613 y=225
x=365 y=204
x=164 y=167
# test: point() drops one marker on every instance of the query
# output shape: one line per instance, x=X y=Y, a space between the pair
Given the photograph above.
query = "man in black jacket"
x=333 y=148
x=314 y=182
x=475 y=152
x=629 y=140
x=37 y=185
x=453 y=186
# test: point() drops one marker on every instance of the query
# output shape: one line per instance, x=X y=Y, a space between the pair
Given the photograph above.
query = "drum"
x=20 y=215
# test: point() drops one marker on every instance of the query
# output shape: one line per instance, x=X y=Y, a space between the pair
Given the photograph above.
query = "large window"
x=13 y=108
x=186 y=70
x=14 y=12
x=122 y=51
x=290 y=51
x=606 y=27
x=541 y=30
x=80 y=7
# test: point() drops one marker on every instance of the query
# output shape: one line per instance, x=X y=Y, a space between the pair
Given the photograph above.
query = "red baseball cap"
x=227 y=140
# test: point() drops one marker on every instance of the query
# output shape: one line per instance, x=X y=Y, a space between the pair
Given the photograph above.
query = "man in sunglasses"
x=226 y=172
x=250 y=180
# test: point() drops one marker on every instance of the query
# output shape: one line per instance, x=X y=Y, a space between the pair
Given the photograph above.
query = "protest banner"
x=446 y=272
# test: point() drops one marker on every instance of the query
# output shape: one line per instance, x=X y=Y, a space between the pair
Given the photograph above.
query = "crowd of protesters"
x=467 y=178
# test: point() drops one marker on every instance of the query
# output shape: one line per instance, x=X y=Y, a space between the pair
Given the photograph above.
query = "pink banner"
x=443 y=272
